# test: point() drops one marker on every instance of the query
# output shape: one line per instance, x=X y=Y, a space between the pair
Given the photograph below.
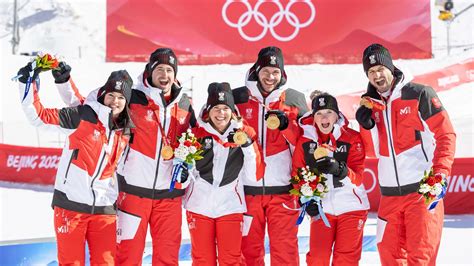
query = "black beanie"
x=162 y=56
x=270 y=57
x=220 y=93
x=118 y=81
x=324 y=101
x=376 y=54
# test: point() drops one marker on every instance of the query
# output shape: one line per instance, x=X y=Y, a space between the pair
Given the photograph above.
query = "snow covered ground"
x=75 y=29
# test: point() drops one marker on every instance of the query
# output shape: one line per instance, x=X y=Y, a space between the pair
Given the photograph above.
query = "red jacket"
x=410 y=136
x=85 y=180
x=277 y=146
x=143 y=171
x=348 y=194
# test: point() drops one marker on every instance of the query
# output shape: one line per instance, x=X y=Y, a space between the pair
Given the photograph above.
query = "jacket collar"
x=211 y=130
x=154 y=93
x=251 y=84
x=104 y=113
x=402 y=78
x=306 y=122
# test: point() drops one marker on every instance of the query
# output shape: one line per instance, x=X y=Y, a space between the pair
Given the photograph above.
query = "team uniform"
x=265 y=197
x=85 y=189
x=215 y=200
x=346 y=204
x=412 y=135
x=145 y=176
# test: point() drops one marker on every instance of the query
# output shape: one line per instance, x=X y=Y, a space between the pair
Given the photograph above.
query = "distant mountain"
x=417 y=35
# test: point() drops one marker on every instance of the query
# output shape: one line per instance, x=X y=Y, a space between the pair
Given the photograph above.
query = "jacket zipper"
x=98 y=172
x=74 y=155
x=126 y=154
x=393 y=152
x=159 y=152
x=423 y=148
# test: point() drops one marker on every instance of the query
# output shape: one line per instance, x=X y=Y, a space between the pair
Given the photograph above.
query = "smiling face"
x=325 y=119
x=380 y=77
x=220 y=116
x=163 y=77
x=269 y=78
x=116 y=101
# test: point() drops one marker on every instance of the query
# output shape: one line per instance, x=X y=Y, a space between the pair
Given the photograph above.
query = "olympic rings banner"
x=28 y=165
x=233 y=31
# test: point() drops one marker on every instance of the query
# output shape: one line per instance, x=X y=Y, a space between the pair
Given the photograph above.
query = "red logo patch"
x=436 y=102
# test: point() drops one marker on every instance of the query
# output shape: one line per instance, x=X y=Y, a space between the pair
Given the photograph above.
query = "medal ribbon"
x=257 y=100
x=332 y=146
x=164 y=139
x=200 y=133
x=306 y=201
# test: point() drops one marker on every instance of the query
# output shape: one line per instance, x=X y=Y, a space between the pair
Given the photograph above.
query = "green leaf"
x=294 y=192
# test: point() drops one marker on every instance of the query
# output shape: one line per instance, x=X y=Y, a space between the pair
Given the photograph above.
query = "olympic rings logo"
x=268 y=24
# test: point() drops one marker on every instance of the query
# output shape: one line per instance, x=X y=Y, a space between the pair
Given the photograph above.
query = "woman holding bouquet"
x=85 y=190
x=330 y=148
x=215 y=200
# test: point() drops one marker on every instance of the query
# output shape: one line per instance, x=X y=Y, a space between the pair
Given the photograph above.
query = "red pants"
x=73 y=229
x=164 y=217
x=225 y=231
x=407 y=233
x=345 y=233
x=282 y=230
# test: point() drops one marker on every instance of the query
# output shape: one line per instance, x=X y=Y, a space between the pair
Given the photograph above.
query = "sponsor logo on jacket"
x=405 y=111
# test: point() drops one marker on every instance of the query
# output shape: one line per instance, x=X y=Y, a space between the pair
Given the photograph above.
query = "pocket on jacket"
x=127 y=225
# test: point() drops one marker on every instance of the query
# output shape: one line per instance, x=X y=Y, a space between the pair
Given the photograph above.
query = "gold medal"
x=240 y=137
x=167 y=152
x=273 y=122
x=320 y=152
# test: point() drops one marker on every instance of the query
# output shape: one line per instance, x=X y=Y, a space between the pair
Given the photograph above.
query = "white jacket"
x=219 y=191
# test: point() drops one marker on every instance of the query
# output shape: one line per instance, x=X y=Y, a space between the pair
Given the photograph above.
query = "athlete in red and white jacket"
x=346 y=204
x=160 y=112
x=215 y=200
x=264 y=94
x=85 y=189
x=410 y=136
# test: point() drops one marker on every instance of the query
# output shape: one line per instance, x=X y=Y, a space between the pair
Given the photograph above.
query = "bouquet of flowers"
x=185 y=155
x=432 y=188
x=46 y=62
x=309 y=185
x=43 y=63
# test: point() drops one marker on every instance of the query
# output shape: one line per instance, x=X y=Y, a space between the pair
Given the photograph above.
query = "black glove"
x=62 y=73
x=312 y=208
x=363 y=116
x=230 y=139
x=281 y=116
x=184 y=173
x=25 y=73
x=328 y=165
